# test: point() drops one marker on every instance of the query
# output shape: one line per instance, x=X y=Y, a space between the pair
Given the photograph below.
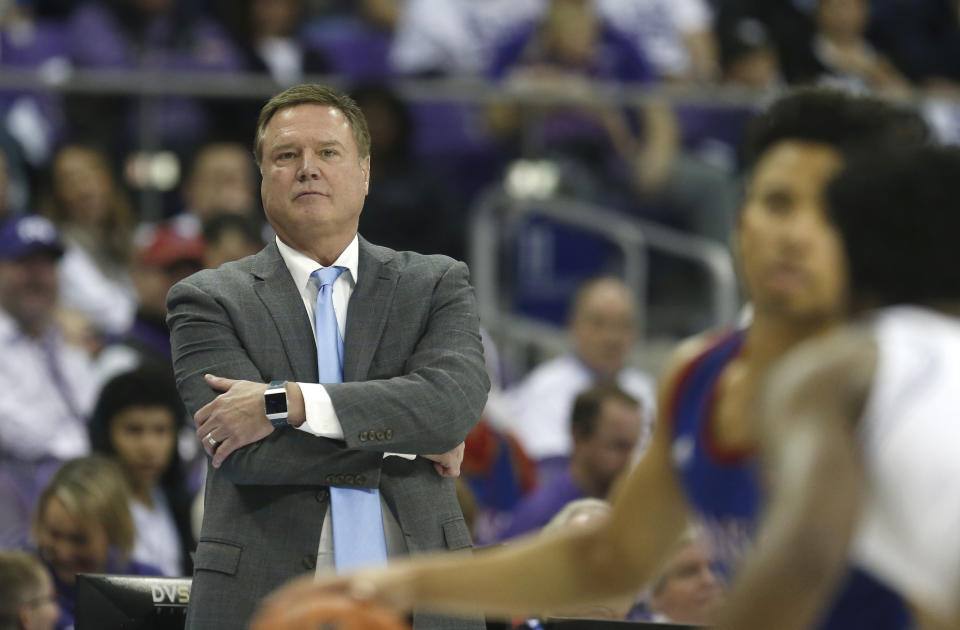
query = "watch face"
x=275 y=402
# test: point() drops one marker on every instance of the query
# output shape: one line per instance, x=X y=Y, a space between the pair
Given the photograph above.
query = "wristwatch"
x=275 y=403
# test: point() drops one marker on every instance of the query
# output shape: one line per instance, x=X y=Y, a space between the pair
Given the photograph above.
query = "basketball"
x=327 y=612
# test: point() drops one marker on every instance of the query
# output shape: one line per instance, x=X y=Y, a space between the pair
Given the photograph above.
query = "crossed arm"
x=230 y=410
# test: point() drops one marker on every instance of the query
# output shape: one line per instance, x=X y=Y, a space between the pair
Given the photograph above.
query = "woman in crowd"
x=82 y=524
x=136 y=423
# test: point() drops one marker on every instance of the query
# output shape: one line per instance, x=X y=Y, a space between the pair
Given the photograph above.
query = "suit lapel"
x=276 y=289
x=369 y=306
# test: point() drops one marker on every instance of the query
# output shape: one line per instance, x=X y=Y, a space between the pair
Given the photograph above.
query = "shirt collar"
x=301 y=265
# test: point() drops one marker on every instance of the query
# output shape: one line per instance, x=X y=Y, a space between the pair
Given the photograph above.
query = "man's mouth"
x=310 y=193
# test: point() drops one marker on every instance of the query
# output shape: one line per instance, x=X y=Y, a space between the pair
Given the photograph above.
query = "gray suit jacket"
x=414 y=383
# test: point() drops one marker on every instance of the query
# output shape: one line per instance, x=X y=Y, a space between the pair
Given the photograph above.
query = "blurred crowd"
x=85 y=266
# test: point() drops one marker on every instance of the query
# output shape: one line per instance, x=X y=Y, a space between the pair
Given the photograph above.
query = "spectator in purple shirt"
x=605 y=423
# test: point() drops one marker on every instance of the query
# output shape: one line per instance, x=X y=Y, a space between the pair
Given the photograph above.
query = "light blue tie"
x=358 y=538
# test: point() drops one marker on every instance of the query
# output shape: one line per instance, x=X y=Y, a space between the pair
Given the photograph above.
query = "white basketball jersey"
x=909 y=534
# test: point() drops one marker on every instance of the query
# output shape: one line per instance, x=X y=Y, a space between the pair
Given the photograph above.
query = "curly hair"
x=851 y=123
x=898 y=214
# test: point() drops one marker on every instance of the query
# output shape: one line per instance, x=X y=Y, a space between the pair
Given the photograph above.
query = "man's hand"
x=448 y=464
x=233 y=419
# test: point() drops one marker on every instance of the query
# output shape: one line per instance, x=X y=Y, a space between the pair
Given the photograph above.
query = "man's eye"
x=286 y=155
x=329 y=153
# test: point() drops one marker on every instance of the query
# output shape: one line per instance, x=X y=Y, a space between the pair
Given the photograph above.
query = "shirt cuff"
x=321 y=417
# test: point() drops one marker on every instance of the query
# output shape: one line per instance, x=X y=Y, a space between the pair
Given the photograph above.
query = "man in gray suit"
x=413 y=372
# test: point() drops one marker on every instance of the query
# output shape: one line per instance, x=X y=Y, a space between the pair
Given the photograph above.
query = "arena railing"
x=490 y=233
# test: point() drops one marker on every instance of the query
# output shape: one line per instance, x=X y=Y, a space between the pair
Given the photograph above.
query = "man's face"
x=690 y=591
x=82 y=185
x=28 y=288
x=607 y=451
x=314 y=180
x=603 y=328
x=221 y=182
x=790 y=254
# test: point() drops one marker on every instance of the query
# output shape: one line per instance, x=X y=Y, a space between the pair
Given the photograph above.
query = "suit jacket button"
x=329 y=479
x=310 y=562
x=348 y=479
x=389 y=434
x=338 y=479
x=380 y=435
x=359 y=479
x=322 y=495
x=363 y=436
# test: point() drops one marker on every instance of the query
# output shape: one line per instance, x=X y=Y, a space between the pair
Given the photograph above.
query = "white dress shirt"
x=321 y=417
x=39 y=417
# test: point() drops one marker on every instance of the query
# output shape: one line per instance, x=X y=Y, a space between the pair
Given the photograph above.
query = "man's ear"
x=365 y=167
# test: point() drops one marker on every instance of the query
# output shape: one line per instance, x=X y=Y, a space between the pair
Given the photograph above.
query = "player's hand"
x=233 y=419
x=448 y=464
x=391 y=587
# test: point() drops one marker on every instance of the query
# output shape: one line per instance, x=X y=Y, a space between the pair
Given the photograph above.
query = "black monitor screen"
x=129 y=602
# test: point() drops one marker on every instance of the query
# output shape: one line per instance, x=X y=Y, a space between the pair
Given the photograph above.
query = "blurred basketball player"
x=861 y=427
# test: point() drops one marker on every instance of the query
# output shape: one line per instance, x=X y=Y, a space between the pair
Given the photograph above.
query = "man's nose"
x=309 y=167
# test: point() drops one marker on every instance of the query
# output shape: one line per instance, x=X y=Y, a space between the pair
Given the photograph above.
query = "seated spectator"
x=675 y=35
x=163 y=260
x=82 y=524
x=136 y=422
x=96 y=221
x=748 y=57
x=605 y=424
x=560 y=53
x=221 y=180
x=44 y=408
x=627 y=158
x=454 y=37
x=145 y=35
x=688 y=589
x=230 y=237
x=845 y=56
x=268 y=34
x=27 y=598
x=408 y=207
x=602 y=327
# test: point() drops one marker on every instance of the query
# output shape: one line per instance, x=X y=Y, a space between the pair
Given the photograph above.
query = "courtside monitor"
x=131 y=602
